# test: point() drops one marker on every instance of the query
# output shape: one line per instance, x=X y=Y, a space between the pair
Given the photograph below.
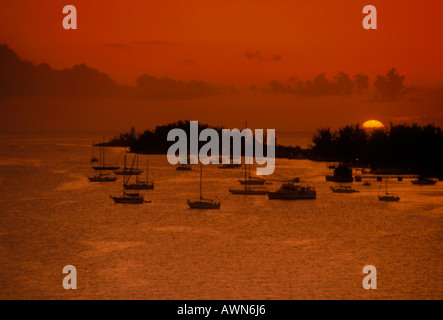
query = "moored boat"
x=93 y=158
x=128 y=172
x=141 y=185
x=230 y=166
x=247 y=183
x=344 y=189
x=203 y=203
x=102 y=178
x=102 y=166
x=388 y=196
x=424 y=181
x=129 y=198
x=250 y=180
x=183 y=167
x=291 y=191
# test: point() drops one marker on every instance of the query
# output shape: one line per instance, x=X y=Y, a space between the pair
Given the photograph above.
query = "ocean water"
x=252 y=248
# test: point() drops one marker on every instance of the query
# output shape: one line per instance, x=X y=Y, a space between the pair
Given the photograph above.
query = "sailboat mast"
x=201 y=177
x=100 y=157
x=246 y=125
x=245 y=172
x=103 y=150
x=147 y=171
x=136 y=175
x=124 y=173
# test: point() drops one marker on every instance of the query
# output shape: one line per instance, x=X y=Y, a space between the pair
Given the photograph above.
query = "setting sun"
x=373 y=124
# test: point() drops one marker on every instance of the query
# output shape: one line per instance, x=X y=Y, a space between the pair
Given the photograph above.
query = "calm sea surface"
x=252 y=248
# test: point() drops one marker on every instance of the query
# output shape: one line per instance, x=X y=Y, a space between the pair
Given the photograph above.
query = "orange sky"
x=208 y=41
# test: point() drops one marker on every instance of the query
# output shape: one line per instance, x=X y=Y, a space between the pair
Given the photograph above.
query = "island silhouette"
x=398 y=149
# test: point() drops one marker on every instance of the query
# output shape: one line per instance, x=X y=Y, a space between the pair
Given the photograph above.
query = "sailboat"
x=203 y=203
x=102 y=177
x=102 y=165
x=131 y=198
x=141 y=185
x=252 y=180
x=93 y=158
x=183 y=167
x=229 y=166
x=130 y=171
x=247 y=190
x=343 y=189
x=291 y=191
x=424 y=181
x=388 y=196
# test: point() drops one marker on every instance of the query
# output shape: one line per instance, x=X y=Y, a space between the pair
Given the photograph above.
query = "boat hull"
x=229 y=166
x=183 y=168
x=203 y=205
x=424 y=183
x=128 y=200
x=388 y=198
x=341 y=190
x=128 y=172
x=106 y=168
x=148 y=186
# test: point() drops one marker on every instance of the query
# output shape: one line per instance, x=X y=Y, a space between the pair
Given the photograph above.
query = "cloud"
x=254 y=55
x=320 y=86
x=24 y=79
x=258 y=56
x=390 y=86
x=419 y=118
x=150 y=87
x=385 y=88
